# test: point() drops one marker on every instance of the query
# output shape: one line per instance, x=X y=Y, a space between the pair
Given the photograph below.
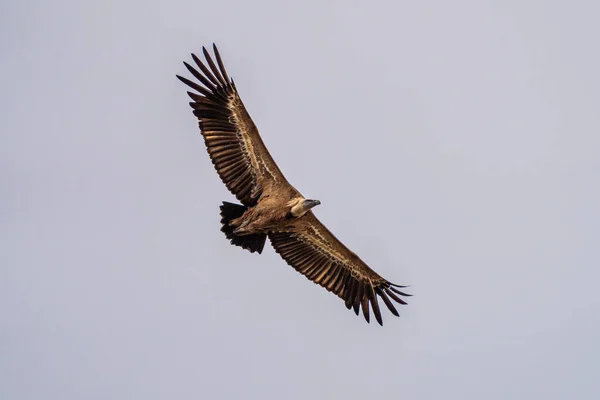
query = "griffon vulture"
x=271 y=207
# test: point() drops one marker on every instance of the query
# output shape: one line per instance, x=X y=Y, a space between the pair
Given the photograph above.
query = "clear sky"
x=454 y=145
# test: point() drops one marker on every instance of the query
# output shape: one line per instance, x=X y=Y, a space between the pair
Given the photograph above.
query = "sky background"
x=454 y=146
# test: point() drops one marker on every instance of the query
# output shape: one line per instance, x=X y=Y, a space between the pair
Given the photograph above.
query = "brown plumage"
x=271 y=207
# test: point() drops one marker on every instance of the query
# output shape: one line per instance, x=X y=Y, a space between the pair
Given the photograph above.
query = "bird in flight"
x=271 y=207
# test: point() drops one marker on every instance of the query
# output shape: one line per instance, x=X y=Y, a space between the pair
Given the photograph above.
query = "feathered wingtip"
x=213 y=77
x=212 y=89
x=361 y=294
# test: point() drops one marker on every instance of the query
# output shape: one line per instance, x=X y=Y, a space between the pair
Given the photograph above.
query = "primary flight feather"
x=271 y=206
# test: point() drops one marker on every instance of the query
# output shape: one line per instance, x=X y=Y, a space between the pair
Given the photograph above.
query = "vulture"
x=270 y=206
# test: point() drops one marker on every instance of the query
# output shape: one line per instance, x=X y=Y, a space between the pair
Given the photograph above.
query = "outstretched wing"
x=232 y=140
x=316 y=253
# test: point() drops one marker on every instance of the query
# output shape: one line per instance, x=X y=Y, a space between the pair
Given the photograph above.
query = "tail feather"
x=252 y=243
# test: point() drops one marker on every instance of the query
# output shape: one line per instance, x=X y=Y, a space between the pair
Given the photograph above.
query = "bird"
x=270 y=206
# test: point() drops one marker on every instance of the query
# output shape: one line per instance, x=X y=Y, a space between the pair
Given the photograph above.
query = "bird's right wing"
x=316 y=253
x=232 y=140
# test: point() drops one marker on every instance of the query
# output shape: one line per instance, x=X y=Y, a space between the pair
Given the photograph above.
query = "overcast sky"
x=454 y=145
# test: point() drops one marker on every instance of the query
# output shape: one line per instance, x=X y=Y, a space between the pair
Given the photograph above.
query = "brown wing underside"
x=317 y=254
x=232 y=140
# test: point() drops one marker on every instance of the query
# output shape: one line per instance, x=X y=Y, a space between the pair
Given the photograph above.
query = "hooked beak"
x=311 y=203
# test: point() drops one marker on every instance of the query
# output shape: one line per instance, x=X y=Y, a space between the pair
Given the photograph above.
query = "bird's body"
x=271 y=207
x=269 y=214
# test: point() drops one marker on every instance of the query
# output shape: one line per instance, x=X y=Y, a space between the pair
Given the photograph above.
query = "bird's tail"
x=252 y=243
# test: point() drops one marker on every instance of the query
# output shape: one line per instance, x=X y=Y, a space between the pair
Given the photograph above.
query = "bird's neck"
x=299 y=207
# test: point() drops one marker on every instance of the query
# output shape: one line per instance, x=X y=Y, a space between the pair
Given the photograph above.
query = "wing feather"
x=220 y=62
x=316 y=253
x=212 y=66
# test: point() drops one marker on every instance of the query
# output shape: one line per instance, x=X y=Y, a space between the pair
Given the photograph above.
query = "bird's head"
x=301 y=206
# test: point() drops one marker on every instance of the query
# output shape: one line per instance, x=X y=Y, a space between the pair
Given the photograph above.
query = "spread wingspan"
x=247 y=169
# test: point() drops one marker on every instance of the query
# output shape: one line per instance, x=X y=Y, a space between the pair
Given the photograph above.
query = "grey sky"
x=454 y=146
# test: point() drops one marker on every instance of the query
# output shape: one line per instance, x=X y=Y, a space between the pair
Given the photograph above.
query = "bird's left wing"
x=316 y=253
x=232 y=140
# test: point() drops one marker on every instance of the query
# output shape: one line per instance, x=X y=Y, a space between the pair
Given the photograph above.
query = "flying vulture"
x=271 y=207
